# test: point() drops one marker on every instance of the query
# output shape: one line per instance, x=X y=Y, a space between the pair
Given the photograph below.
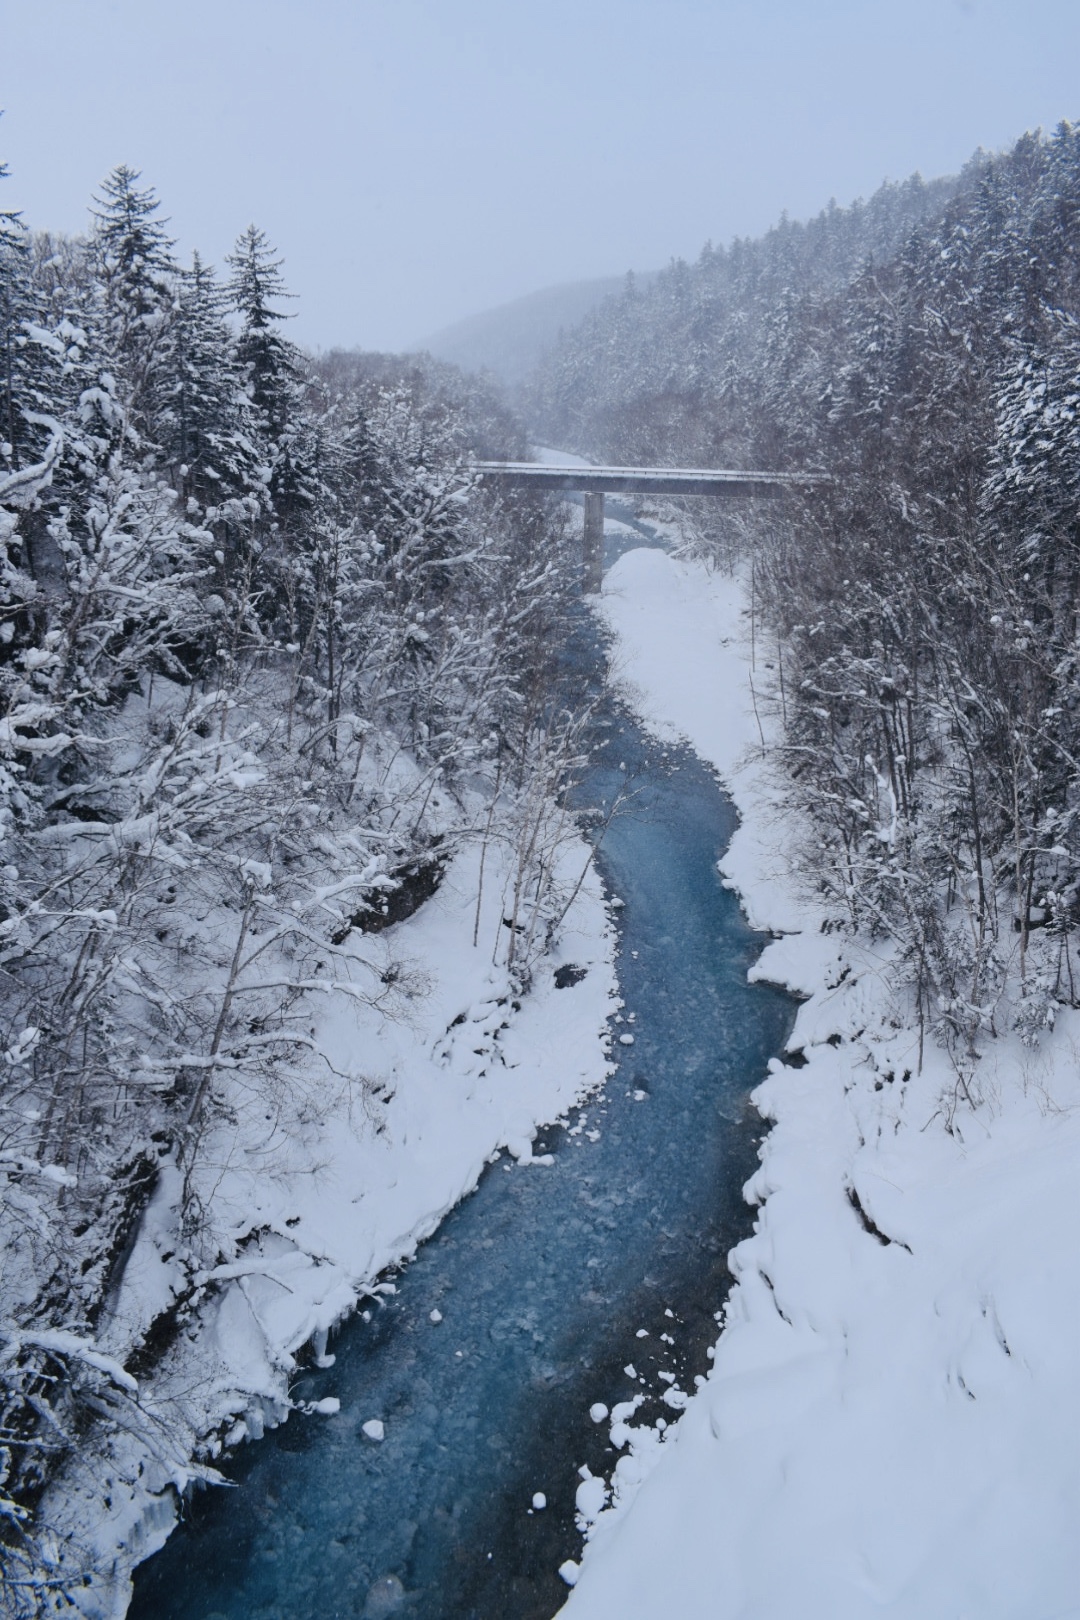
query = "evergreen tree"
x=14 y=310
x=274 y=372
x=136 y=272
x=270 y=362
x=203 y=414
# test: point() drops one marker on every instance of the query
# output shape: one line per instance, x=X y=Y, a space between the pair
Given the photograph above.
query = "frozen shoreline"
x=889 y=1426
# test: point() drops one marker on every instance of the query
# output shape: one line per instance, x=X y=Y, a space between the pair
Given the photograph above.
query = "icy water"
x=544 y=1277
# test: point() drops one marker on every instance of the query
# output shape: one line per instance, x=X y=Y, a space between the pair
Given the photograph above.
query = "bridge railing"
x=645 y=480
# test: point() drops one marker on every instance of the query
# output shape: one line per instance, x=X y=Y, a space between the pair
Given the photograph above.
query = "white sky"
x=418 y=160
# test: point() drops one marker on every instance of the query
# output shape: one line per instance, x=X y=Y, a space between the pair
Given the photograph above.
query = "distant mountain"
x=511 y=339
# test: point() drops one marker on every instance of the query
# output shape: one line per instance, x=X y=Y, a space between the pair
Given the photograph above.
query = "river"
x=551 y=1282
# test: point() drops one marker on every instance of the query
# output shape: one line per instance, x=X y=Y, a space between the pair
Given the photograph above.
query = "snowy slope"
x=891 y=1423
x=470 y=1064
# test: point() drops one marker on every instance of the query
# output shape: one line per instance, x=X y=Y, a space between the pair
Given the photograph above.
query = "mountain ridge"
x=510 y=339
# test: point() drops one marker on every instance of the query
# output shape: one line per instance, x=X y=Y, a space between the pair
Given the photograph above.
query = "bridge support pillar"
x=594 y=541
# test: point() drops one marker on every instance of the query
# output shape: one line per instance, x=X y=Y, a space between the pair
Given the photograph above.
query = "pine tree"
x=201 y=409
x=274 y=371
x=136 y=269
x=14 y=304
x=271 y=363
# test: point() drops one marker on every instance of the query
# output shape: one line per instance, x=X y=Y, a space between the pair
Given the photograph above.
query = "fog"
x=418 y=160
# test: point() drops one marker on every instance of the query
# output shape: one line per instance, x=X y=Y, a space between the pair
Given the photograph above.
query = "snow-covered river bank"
x=583 y=1280
x=890 y=1422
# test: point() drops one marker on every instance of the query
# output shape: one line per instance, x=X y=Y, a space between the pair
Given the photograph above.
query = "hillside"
x=510 y=341
x=271 y=666
x=672 y=369
x=922 y=349
x=881 y=1429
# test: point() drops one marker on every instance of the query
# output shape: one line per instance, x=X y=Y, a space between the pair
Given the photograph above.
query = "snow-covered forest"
x=889 y=684
x=278 y=671
x=922 y=349
x=270 y=658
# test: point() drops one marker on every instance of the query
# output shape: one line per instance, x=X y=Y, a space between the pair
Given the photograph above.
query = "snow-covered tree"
x=205 y=427
x=136 y=273
x=264 y=646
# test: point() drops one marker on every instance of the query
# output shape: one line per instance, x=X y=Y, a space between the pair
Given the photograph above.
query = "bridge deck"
x=644 y=480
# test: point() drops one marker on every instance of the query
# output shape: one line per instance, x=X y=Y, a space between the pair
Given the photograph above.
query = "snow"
x=889 y=1425
x=79 y=1349
x=590 y=1498
x=545 y=456
x=468 y=1066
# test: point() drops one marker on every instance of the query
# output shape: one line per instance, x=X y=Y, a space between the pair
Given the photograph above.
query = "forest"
x=270 y=652
x=268 y=655
x=920 y=608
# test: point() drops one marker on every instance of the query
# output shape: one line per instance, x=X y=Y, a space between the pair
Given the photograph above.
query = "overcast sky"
x=416 y=161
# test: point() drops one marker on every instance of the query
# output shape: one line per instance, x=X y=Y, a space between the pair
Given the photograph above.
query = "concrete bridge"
x=596 y=482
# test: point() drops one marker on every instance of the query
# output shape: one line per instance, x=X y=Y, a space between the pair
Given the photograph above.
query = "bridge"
x=596 y=482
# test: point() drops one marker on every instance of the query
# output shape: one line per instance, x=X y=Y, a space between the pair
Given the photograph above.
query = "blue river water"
x=543 y=1278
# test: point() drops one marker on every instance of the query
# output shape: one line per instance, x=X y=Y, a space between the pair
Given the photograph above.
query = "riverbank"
x=466 y=1063
x=889 y=1425
x=552 y=1293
